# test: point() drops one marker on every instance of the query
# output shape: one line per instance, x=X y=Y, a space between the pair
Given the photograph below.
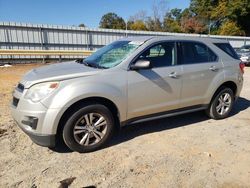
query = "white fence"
x=27 y=36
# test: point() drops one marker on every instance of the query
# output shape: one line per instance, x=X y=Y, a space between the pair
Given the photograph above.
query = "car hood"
x=57 y=72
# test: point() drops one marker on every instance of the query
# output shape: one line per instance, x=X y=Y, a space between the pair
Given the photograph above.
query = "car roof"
x=184 y=38
x=139 y=38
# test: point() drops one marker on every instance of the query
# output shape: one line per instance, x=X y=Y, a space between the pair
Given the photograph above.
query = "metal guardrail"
x=19 y=56
x=45 y=52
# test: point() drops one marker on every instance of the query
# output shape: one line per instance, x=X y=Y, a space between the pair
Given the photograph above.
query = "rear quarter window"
x=226 y=47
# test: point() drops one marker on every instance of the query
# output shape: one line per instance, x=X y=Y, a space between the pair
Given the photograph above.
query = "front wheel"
x=221 y=104
x=89 y=128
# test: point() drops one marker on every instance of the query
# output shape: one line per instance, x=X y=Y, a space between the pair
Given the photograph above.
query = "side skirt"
x=164 y=114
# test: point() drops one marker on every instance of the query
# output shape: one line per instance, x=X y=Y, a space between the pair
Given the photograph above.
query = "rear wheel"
x=221 y=104
x=89 y=128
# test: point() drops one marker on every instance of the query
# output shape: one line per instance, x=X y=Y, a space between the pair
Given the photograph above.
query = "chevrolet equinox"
x=130 y=80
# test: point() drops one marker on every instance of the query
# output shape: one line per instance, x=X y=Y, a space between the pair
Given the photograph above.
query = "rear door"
x=157 y=89
x=200 y=66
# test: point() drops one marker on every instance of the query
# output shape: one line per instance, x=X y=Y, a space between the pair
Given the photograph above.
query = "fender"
x=68 y=94
x=226 y=76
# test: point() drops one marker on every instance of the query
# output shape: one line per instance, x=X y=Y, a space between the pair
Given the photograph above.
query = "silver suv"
x=130 y=80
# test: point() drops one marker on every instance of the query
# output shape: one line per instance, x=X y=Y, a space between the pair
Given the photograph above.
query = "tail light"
x=242 y=66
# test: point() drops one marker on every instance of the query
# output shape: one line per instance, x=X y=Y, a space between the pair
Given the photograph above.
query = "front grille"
x=15 y=101
x=20 y=87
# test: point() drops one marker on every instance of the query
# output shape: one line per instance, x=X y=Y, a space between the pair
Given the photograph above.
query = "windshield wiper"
x=79 y=60
x=90 y=64
x=96 y=66
x=83 y=62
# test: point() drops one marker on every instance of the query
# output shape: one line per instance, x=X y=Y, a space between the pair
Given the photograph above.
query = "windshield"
x=112 y=54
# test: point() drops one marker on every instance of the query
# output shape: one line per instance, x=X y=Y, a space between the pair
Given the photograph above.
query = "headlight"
x=39 y=91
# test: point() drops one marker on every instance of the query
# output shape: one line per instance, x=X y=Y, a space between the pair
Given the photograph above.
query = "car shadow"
x=129 y=132
x=240 y=105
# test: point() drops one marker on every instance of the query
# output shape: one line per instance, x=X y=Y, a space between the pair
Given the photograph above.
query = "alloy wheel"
x=90 y=129
x=224 y=103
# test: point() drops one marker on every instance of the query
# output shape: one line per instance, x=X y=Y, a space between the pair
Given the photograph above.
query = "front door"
x=157 y=89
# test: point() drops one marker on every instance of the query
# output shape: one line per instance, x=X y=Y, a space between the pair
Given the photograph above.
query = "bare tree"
x=153 y=22
x=159 y=9
x=141 y=15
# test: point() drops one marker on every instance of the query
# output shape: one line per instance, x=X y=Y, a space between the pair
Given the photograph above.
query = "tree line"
x=219 y=17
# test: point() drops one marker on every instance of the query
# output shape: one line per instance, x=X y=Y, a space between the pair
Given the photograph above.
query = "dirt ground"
x=184 y=151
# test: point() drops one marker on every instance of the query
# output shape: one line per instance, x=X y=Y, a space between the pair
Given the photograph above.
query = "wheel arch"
x=89 y=100
x=229 y=84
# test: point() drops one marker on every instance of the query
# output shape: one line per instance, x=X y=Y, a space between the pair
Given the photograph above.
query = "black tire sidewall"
x=68 y=136
x=215 y=100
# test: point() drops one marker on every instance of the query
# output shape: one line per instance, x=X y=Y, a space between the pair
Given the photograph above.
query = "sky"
x=74 y=12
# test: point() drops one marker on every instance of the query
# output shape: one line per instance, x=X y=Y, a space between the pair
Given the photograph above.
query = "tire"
x=88 y=128
x=215 y=111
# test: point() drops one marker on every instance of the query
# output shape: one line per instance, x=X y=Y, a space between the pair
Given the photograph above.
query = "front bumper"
x=47 y=140
x=41 y=140
x=37 y=121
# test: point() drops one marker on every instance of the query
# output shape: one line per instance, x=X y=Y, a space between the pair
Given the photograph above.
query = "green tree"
x=230 y=28
x=229 y=17
x=239 y=12
x=176 y=14
x=202 y=8
x=81 y=25
x=171 y=22
x=137 y=21
x=154 y=24
x=232 y=10
x=222 y=12
x=186 y=13
x=171 y=25
x=112 y=21
x=137 y=25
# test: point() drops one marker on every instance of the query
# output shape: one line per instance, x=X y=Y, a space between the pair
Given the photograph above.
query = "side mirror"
x=141 y=64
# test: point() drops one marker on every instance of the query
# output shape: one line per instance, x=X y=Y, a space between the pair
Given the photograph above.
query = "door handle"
x=173 y=75
x=213 y=68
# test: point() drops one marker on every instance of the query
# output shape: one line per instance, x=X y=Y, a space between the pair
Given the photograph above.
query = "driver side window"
x=160 y=55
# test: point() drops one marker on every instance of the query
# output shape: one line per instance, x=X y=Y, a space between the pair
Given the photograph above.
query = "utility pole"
x=209 y=27
x=126 y=21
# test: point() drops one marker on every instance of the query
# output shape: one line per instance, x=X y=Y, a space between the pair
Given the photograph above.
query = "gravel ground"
x=184 y=151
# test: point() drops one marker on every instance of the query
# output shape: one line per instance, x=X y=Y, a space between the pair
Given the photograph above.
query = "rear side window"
x=226 y=47
x=194 y=52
